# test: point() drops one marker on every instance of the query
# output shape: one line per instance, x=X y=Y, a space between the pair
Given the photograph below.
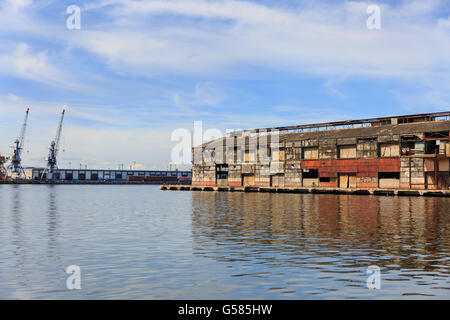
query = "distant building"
x=400 y=152
x=79 y=175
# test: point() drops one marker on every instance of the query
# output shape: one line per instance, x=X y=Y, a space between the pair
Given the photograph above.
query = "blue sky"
x=137 y=70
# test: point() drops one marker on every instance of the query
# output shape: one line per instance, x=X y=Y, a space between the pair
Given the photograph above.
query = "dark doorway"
x=222 y=174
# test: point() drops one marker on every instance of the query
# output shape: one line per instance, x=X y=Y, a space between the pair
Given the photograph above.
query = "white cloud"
x=205 y=95
x=17 y=4
x=34 y=66
x=223 y=38
x=227 y=9
x=444 y=23
x=319 y=39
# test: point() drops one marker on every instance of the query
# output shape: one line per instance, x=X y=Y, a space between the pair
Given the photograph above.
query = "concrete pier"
x=360 y=191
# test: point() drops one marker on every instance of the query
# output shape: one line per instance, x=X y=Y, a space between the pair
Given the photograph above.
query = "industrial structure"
x=409 y=152
x=101 y=175
x=15 y=165
x=3 y=171
x=53 y=152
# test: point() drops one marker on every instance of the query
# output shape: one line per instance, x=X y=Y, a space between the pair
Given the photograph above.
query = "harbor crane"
x=53 y=153
x=15 y=165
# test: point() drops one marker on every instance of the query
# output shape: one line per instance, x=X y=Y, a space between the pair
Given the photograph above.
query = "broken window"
x=310 y=173
x=367 y=140
x=222 y=171
x=389 y=175
x=328 y=179
x=409 y=145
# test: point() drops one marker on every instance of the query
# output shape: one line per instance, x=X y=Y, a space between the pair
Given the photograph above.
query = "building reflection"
x=18 y=238
x=53 y=223
x=391 y=232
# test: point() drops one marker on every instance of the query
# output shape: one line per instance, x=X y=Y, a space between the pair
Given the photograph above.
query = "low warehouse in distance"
x=101 y=175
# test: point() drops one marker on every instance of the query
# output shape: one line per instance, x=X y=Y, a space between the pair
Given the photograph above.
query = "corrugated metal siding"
x=363 y=167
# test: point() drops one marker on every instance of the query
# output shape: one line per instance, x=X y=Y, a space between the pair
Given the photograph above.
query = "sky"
x=135 y=71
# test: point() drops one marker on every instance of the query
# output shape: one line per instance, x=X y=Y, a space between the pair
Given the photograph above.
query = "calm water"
x=136 y=242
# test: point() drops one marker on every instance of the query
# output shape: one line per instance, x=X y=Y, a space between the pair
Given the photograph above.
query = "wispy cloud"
x=36 y=67
x=320 y=39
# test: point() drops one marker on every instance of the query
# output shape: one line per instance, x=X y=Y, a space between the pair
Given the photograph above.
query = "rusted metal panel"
x=443 y=165
x=204 y=183
x=388 y=165
x=367 y=185
x=363 y=174
x=234 y=183
x=310 y=164
x=329 y=168
x=328 y=174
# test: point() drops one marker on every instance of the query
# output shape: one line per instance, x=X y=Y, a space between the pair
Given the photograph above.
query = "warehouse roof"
x=384 y=130
x=357 y=132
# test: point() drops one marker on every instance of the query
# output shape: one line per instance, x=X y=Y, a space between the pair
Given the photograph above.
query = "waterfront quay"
x=360 y=191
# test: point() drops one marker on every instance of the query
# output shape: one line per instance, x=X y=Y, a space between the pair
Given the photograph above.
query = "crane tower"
x=15 y=165
x=53 y=153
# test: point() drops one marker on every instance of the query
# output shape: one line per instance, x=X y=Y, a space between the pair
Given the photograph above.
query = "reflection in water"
x=53 y=227
x=18 y=237
x=17 y=231
x=135 y=241
x=329 y=233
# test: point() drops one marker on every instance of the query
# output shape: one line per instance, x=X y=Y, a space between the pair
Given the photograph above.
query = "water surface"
x=137 y=242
